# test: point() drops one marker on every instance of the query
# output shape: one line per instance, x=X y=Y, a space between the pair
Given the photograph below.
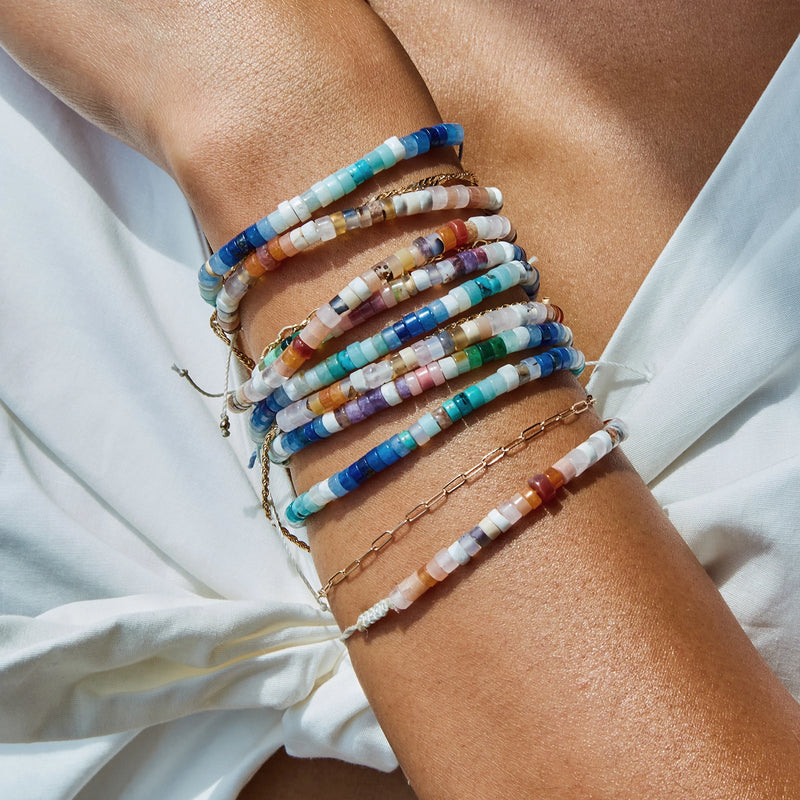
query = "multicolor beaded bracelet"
x=270 y=256
x=455 y=483
x=398 y=446
x=414 y=383
x=458 y=336
x=300 y=208
x=360 y=354
x=541 y=489
x=328 y=316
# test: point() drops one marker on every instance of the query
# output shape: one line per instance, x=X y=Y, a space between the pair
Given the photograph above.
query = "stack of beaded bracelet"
x=299 y=209
x=541 y=489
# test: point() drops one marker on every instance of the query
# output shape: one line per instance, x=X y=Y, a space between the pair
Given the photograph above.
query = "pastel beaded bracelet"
x=328 y=317
x=412 y=384
x=541 y=489
x=289 y=415
x=398 y=446
x=361 y=354
x=340 y=183
x=274 y=253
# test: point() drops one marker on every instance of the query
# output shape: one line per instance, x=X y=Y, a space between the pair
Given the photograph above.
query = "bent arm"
x=590 y=653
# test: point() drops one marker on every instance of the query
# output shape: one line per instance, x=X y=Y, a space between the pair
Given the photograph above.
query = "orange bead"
x=428 y=581
x=253 y=266
x=555 y=477
x=448 y=237
x=533 y=499
x=275 y=250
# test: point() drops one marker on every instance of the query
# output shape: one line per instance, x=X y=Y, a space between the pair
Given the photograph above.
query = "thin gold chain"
x=419 y=510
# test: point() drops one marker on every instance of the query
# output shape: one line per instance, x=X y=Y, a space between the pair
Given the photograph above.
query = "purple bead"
x=402 y=387
x=354 y=413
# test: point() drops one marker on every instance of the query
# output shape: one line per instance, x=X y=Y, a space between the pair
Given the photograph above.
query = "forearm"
x=589 y=652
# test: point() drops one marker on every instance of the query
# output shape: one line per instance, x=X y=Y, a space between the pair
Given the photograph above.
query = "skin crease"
x=589 y=655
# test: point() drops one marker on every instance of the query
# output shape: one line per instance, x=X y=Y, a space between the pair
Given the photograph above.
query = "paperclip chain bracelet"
x=276 y=251
x=414 y=383
x=506 y=379
x=541 y=489
x=453 y=485
x=300 y=208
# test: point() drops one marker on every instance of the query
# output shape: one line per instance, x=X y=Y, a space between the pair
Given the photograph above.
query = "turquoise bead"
x=429 y=425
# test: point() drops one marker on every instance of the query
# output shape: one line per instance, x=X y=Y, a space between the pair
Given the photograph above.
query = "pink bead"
x=397 y=600
x=388 y=298
x=435 y=571
x=287 y=245
x=425 y=380
x=314 y=333
x=521 y=504
x=412 y=587
x=435 y=371
x=413 y=383
x=445 y=561
x=566 y=468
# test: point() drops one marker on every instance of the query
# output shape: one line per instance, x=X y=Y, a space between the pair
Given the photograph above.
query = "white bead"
x=522 y=336
x=499 y=520
x=510 y=376
x=358 y=381
x=602 y=443
x=495 y=198
x=471 y=330
x=418 y=434
x=290 y=219
x=330 y=423
x=413 y=202
x=297 y=239
x=311 y=232
x=449 y=367
x=421 y=279
x=438 y=197
x=396 y=146
x=462 y=193
x=259 y=387
x=350 y=298
x=425 y=201
x=458 y=553
x=300 y=208
x=360 y=287
x=316 y=495
x=461 y=297
x=435 y=348
x=326 y=229
x=390 y=394
x=225 y=302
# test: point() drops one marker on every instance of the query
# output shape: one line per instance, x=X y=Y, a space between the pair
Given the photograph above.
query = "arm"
x=543 y=667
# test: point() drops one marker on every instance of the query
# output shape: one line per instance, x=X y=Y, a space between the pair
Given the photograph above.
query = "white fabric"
x=151 y=620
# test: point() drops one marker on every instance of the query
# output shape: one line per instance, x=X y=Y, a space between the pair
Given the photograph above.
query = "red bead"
x=302 y=348
x=459 y=227
x=543 y=486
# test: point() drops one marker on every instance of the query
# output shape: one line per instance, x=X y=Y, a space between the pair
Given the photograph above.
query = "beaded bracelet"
x=360 y=354
x=270 y=256
x=299 y=209
x=327 y=317
x=541 y=489
x=398 y=446
x=458 y=336
x=414 y=383
x=450 y=487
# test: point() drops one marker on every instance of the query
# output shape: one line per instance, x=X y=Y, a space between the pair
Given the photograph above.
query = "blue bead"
x=423 y=141
x=549 y=333
x=436 y=245
x=534 y=335
x=387 y=453
x=339 y=305
x=410 y=144
x=319 y=429
x=391 y=339
x=373 y=158
x=475 y=290
x=397 y=445
x=475 y=396
x=462 y=401
x=401 y=330
x=207 y=281
x=439 y=311
x=364 y=468
x=452 y=410
x=254 y=237
x=335 y=485
x=347 y=481
x=426 y=319
x=375 y=461
x=266 y=230
x=217 y=265
x=345 y=362
x=454 y=133
x=546 y=363
x=413 y=325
